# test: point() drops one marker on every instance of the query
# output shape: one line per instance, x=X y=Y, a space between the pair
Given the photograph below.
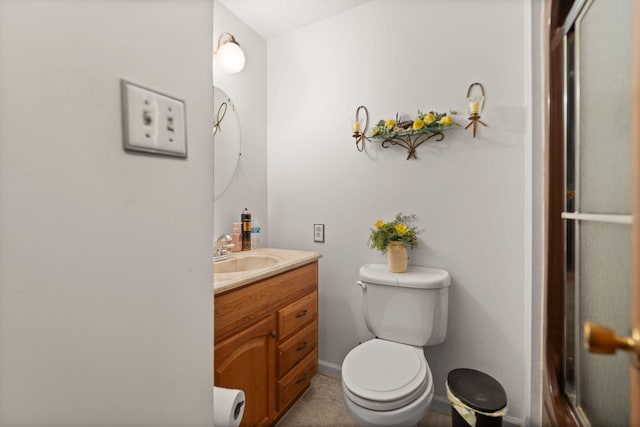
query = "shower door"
x=598 y=205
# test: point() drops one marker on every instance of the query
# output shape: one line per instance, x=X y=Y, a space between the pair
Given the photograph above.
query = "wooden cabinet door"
x=245 y=361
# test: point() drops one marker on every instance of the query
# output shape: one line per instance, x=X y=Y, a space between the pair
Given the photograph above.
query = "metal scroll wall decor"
x=360 y=125
x=410 y=134
x=411 y=141
x=222 y=110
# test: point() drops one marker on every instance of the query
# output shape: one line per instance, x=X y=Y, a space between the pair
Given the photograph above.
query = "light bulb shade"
x=357 y=125
x=230 y=57
x=474 y=104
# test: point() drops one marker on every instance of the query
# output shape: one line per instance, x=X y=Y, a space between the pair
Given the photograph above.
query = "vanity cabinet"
x=266 y=341
x=243 y=361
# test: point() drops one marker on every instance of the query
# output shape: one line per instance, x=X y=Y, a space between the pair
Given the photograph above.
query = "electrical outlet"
x=152 y=122
x=318 y=233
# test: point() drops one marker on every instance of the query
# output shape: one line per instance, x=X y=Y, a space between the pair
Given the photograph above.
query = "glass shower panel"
x=605 y=34
x=598 y=254
x=604 y=271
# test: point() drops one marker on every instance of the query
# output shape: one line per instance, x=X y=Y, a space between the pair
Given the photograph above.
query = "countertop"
x=287 y=259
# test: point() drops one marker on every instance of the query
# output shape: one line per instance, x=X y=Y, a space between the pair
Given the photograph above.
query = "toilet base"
x=406 y=416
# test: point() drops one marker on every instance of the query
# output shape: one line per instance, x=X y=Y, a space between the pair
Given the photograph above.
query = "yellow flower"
x=418 y=124
x=401 y=229
x=429 y=118
x=376 y=130
x=379 y=223
x=389 y=124
x=445 y=120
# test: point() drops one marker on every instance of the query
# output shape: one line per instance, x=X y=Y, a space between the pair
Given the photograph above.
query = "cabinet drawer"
x=296 y=314
x=297 y=380
x=297 y=347
x=237 y=309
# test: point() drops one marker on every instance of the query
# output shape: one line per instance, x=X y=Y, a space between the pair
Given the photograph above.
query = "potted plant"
x=393 y=238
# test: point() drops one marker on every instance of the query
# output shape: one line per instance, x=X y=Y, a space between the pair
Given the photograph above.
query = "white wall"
x=105 y=271
x=248 y=90
x=469 y=194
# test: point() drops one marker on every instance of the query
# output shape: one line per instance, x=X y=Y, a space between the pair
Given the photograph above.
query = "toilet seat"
x=383 y=375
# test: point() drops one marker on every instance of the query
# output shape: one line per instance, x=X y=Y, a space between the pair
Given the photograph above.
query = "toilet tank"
x=409 y=308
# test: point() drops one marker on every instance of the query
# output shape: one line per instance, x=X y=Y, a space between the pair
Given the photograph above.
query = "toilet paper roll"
x=228 y=407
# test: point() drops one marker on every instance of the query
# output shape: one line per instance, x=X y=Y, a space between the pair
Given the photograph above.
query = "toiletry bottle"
x=236 y=237
x=246 y=230
x=255 y=235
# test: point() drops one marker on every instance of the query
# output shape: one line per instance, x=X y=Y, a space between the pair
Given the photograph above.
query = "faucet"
x=223 y=242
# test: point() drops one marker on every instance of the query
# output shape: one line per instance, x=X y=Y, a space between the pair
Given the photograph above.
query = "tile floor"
x=322 y=405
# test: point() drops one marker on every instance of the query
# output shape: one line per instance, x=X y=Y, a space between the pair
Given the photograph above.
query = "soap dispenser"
x=236 y=237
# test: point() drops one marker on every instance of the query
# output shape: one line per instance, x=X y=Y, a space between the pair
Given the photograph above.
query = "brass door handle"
x=603 y=340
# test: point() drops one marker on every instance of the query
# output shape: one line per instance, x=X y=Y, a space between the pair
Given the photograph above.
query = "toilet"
x=387 y=381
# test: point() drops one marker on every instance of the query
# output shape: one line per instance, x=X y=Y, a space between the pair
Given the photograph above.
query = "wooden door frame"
x=556 y=408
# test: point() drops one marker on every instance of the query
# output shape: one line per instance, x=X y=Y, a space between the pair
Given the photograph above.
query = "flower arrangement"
x=431 y=122
x=394 y=231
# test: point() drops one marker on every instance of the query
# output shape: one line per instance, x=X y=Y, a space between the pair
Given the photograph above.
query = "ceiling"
x=270 y=18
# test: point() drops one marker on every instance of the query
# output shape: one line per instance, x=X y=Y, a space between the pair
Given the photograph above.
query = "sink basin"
x=247 y=263
x=238 y=269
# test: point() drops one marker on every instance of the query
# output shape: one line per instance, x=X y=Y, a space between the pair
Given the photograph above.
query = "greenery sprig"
x=430 y=122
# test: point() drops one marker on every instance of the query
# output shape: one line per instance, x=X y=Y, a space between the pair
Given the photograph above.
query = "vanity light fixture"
x=359 y=125
x=475 y=104
x=229 y=54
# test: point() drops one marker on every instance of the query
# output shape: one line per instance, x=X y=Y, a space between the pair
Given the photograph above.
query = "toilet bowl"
x=387 y=381
x=386 y=384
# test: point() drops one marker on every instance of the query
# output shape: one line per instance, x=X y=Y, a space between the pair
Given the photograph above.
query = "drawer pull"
x=301 y=314
x=301 y=346
x=302 y=378
x=274 y=334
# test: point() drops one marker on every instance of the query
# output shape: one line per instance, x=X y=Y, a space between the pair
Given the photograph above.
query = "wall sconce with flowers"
x=409 y=134
x=475 y=103
x=229 y=54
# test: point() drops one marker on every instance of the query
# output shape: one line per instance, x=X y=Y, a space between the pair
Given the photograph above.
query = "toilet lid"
x=384 y=375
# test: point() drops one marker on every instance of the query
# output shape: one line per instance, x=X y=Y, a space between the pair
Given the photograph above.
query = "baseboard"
x=329 y=369
x=439 y=404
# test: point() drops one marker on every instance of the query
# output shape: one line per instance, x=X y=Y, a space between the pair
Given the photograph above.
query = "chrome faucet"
x=223 y=242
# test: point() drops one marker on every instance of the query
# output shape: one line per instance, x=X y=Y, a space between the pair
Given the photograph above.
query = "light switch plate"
x=152 y=122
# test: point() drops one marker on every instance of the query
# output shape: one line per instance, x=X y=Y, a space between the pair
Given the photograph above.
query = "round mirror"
x=226 y=141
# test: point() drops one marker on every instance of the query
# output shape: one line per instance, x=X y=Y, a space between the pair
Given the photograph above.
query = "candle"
x=356 y=127
x=474 y=107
